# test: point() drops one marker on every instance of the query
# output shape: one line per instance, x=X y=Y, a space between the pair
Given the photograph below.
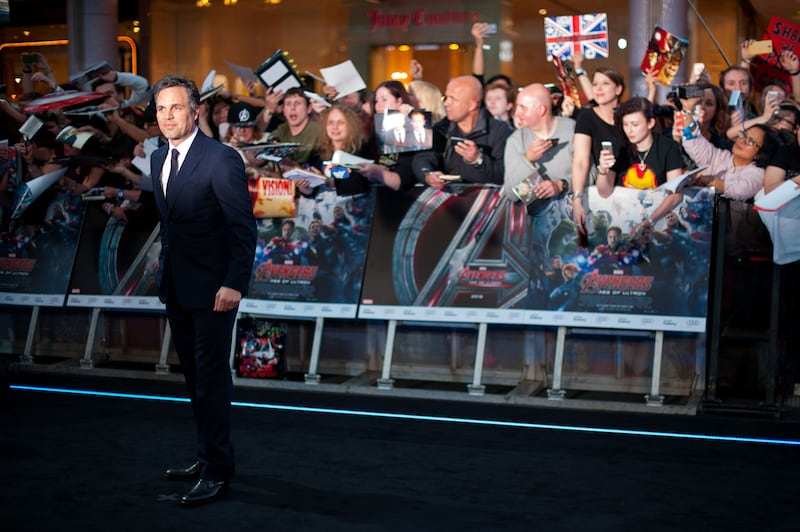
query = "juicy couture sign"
x=394 y=20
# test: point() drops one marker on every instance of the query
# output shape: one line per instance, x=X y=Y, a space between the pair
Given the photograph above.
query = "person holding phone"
x=468 y=142
x=645 y=161
x=593 y=125
x=540 y=147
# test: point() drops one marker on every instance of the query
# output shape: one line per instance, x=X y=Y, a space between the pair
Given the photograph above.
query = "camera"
x=684 y=92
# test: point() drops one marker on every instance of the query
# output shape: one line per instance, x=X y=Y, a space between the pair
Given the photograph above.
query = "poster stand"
x=162 y=368
x=312 y=377
x=27 y=357
x=476 y=388
x=86 y=361
x=654 y=398
x=386 y=382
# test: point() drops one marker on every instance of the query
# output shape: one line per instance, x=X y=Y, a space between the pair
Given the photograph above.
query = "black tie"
x=173 y=169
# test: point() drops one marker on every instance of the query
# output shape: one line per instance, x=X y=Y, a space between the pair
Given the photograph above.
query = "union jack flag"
x=567 y=35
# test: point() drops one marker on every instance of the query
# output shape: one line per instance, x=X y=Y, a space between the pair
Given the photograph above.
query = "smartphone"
x=606 y=145
x=774 y=95
x=491 y=29
x=554 y=141
x=735 y=101
x=458 y=139
x=30 y=59
x=760 y=47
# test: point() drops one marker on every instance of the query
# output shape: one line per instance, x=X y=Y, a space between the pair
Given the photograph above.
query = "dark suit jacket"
x=490 y=136
x=208 y=231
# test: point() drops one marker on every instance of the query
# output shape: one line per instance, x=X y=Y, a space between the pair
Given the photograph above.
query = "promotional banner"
x=112 y=251
x=260 y=348
x=311 y=265
x=38 y=249
x=467 y=254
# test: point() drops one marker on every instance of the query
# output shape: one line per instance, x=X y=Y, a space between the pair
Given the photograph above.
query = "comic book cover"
x=260 y=348
x=272 y=197
x=664 y=54
x=568 y=82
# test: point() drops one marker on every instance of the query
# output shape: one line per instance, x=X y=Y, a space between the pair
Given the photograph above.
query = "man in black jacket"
x=468 y=143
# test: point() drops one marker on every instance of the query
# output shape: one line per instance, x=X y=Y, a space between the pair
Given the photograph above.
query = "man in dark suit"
x=208 y=237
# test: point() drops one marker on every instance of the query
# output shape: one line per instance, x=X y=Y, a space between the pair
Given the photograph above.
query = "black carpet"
x=74 y=462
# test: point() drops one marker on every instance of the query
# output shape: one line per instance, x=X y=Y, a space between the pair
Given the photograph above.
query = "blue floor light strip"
x=416 y=417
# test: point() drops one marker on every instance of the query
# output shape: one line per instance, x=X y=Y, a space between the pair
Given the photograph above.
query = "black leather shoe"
x=188 y=473
x=204 y=492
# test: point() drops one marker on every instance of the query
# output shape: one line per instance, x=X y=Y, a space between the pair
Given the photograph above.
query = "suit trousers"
x=202 y=340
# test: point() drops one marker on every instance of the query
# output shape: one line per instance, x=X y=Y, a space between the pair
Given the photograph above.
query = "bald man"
x=468 y=142
x=541 y=148
x=543 y=144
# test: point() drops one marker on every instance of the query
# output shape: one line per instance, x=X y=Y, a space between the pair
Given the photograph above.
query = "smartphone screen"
x=735 y=99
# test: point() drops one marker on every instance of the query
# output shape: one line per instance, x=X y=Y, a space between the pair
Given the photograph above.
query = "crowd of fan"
x=491 y=131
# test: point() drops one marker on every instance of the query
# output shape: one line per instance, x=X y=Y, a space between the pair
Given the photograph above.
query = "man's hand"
x=226 y=299
x=468 y=150
x=537 y=148
x=546 y=189
x=272 y=99
x=433 y=180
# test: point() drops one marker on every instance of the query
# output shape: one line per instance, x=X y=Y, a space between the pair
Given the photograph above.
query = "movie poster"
x=664 y=55
x=468 y=254
x=260 y=348
x=311 y=265
x=37 y=249
x=112 y=250
x=456 y=254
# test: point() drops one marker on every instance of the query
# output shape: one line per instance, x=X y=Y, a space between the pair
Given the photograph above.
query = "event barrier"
x=464 y=256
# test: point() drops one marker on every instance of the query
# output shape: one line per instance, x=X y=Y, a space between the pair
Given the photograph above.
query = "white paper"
x=314 y=180
x=29 y=128
x=143 y=163
x=289 y=83
x=344 y=158
x=677 y=184
x=208 y=83
x=245 y=73
x=344 y=78
x=778 y=197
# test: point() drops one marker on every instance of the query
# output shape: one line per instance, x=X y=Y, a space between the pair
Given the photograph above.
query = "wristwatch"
x=580 y=72
x=478 y=161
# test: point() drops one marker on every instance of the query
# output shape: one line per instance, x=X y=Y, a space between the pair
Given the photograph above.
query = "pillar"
x=92 y=33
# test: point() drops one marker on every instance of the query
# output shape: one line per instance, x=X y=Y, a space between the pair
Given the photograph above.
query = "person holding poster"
x=208 y=238
x=539 y=155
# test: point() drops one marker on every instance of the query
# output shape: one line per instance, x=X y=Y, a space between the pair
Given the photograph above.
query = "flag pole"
x=708 y=30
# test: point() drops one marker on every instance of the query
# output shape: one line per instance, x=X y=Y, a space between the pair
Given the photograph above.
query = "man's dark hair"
x=172 y=80
x=731 y=69
x=296 y=91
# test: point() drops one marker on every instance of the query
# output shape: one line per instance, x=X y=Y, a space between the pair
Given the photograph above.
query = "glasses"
x=786 y=121
x=750 y=141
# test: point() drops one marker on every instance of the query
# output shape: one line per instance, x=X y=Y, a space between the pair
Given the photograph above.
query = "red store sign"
x=421 y=17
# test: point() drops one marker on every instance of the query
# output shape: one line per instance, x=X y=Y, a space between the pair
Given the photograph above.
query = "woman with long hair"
x=428 y=97
x=341 y=130
x=594 y=125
